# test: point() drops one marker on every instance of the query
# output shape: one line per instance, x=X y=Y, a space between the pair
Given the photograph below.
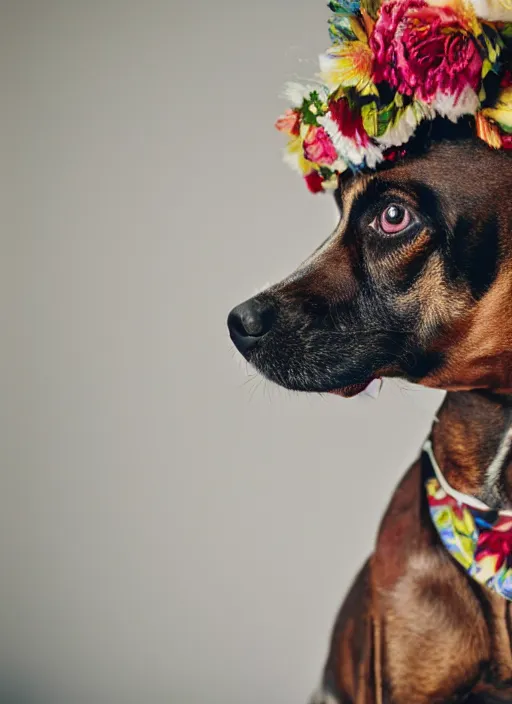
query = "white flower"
x=339 y=166
x=296 y=92
x=453 y=107
x=348 y=149
x=401 y=133
x=493 y=10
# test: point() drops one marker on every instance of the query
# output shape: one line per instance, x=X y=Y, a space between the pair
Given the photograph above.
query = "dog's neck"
x=472 y=443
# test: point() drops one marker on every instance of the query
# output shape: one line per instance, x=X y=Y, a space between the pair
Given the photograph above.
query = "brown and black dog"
x=415 y=282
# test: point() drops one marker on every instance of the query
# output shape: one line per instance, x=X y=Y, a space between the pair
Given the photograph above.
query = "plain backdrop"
x=172 y=530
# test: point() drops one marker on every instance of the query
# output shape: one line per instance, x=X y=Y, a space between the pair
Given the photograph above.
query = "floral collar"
x=393 y=65
x=476 y=536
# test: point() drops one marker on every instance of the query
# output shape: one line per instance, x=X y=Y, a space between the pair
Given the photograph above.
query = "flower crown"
x=392 y=66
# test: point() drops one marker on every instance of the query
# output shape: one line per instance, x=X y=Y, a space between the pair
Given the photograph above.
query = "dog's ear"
x=353 y=672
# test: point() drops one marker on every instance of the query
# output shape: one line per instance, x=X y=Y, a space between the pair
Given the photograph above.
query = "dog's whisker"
x=256 y=385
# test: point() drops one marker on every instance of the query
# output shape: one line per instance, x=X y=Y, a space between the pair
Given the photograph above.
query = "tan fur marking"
x=480 y=349
x=356 y=188
x=437 y=303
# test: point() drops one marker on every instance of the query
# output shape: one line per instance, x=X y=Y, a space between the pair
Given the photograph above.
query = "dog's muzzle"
x=249 y=322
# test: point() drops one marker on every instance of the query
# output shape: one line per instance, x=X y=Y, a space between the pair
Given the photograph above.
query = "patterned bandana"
x=479 y=538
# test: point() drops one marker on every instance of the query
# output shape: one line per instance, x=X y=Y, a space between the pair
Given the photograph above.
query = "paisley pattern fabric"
x=480 y=540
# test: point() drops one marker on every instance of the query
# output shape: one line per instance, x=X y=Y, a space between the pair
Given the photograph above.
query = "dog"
x=415 y=282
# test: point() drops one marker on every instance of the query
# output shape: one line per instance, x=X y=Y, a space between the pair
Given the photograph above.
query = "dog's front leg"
x=412 y=630
x=353 y=672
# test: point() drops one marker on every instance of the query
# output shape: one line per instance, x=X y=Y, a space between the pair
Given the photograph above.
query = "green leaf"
x=326 y=173
x=493 y=43
x=340 y=29
x=312 y=108
x=369 y=114
x=344 y=7
x=377 y=120
x=506 y=31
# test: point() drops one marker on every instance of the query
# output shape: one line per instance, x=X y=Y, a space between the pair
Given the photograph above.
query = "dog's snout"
x=249 y=322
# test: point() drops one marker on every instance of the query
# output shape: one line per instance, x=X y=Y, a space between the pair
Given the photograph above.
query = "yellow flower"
x=502 y=112
x=347 y=65
x=294 y=156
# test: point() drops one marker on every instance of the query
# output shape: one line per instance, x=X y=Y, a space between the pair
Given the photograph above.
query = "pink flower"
x=318 y=148
x=424 y=50
x=289 y=123
x=314 y=182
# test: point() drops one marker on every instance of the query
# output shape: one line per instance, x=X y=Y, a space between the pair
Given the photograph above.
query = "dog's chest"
x=445 y=635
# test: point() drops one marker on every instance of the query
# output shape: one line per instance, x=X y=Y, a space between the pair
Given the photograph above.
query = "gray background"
x=171 y=529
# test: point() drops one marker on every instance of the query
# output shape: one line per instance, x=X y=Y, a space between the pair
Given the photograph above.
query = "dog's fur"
x=432 y=305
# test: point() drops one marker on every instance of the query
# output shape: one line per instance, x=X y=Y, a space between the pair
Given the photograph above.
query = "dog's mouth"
x=371 y=387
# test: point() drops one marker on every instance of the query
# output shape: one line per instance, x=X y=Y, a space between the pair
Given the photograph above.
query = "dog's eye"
x=394 y=219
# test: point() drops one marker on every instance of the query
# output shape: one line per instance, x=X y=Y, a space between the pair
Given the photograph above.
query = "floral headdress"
x=393 y=65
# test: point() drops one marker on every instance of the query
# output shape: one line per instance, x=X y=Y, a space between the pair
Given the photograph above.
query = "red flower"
x=394 y=154
x=506 y=79
x=506 y=141
x=314 y=182
x=424 y=50
x=289 y=123
x=318 y=148
x=495 y=543
x=349 y=122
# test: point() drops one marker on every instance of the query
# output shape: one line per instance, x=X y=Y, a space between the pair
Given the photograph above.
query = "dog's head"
x=415 y=282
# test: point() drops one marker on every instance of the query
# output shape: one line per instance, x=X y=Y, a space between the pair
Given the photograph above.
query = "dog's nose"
x=249 y=322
